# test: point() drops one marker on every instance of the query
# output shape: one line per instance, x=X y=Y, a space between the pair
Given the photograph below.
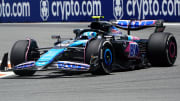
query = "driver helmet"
x=88 y=35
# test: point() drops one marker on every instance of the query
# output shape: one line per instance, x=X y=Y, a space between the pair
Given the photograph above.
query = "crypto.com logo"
x=44 y=9
x=118 y=9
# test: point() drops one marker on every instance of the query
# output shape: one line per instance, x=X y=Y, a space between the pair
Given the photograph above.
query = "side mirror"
x=77 y=32
x=58 y=37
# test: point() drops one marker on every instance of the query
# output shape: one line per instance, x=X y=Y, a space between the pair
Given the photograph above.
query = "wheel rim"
x=108 y=57
x=172 y=50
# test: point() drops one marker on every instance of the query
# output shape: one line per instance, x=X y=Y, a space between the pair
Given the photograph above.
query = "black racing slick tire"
x=103 y=51
x=162 y=49
x=22 y=51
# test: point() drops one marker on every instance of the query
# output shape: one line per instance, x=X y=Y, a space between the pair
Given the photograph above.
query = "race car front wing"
x=60 y=65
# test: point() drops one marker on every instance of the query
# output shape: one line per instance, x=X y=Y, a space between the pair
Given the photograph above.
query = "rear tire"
x=162 y=49
x=22 y=51
x=104 y=51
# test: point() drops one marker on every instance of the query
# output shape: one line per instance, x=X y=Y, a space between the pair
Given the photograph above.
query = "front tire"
x=22 y=51
x=162 y=49
x=104 y=52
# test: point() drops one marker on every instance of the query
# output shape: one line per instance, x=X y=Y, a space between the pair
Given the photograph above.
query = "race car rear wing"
x=139 y=24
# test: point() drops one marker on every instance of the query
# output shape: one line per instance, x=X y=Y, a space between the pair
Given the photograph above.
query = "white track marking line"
x=6 y=74
x=172 y=24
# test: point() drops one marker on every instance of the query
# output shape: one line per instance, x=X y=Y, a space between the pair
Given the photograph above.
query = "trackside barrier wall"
x=82 y=10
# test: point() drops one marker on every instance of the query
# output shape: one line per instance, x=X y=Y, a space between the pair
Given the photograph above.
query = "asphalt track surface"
x=151 y=84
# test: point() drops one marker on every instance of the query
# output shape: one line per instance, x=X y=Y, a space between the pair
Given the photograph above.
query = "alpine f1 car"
x=98 y=49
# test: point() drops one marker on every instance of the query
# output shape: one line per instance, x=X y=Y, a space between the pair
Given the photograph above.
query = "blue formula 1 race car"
x=98 y=49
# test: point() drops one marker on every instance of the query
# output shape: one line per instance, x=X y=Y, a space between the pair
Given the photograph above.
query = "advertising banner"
x=82 y=10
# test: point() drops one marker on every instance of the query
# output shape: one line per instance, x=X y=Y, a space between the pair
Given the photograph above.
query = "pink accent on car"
x=133 y=52
x=128 y=47
x=29 y=42
x=85 y=50
x=85 y=53
x=172 y=55
x=135 y=38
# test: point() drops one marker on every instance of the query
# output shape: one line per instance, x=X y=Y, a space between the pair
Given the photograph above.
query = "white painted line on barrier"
x=47 y=23
x=172 y=24
x=70 y=23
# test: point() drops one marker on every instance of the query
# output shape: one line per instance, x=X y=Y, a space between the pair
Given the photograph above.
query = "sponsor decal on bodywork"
x=67 y=65
x=132 y=49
